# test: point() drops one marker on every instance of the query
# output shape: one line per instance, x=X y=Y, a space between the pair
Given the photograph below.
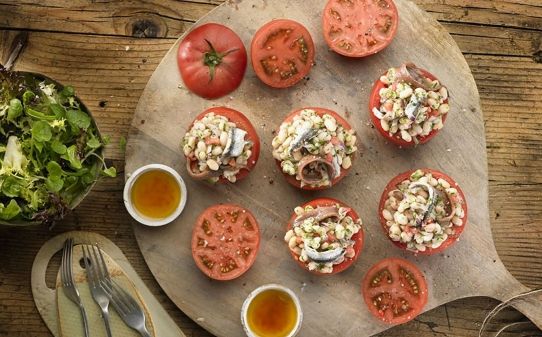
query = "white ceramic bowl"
x=252 y=295
x=128 y=195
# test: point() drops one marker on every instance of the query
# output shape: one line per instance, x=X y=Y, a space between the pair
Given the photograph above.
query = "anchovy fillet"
x=235 y=144
x=325 y=256
x=305 y=133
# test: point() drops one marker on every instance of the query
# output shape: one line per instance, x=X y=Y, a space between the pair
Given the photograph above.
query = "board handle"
x=529 y=305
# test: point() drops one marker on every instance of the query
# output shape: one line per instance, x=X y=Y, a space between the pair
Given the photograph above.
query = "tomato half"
x=394 y=290
x=357 y=238
x=436 y=174
x=212 y=60
x=225 y=241
x=341 y=121
x=358 y=28
x=282 y=53
x=243 y=123
x=374 y=102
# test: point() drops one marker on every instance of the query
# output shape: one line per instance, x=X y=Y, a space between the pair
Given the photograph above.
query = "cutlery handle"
x=105 y=314
x=85 y=322
x=143 y=332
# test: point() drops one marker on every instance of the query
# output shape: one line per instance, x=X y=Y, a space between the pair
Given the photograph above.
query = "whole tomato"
x=212 y=60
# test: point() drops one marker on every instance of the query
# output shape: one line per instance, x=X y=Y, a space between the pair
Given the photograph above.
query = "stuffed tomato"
x=423 y=211
x=221 y=145
x=314 y=148
x=408 y=105
x=324 y=236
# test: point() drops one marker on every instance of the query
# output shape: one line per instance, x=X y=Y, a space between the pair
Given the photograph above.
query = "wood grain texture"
x=477 y=263
x=61 y=316
x=110 y=80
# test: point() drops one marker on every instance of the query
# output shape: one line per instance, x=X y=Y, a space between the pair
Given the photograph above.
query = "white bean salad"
x=314 y=147
x=424 y=211
x=411 y=105
x=322 y=237
x=215 y=147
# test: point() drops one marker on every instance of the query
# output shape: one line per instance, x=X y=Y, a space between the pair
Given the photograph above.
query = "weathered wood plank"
x=509 y=87
x=127 y=18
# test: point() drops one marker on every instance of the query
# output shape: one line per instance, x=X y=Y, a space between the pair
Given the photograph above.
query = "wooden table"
x=108 y=50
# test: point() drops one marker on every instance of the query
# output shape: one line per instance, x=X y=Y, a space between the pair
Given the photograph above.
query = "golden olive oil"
x=272 y=313
x=156 y=194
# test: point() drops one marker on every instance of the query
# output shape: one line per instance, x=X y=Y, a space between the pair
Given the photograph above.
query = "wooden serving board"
x=469 y=268
x=62 y=316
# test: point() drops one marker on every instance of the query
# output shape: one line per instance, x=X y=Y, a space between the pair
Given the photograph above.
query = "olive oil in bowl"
x=271 y=311
x=155 y=195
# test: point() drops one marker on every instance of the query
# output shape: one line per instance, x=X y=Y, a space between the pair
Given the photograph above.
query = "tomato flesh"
x=341 y=121
x=394 y=290
x=282 y=53
x=358 y=28
x=374 y=102
x=436 y=174
x=242 y=122
x=358 y=238
x=212 y=60
x=225 y=241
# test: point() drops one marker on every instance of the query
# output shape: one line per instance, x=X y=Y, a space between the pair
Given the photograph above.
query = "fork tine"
x=64 y=274
x=89 y=266
x=70 y=257
x=97 y=263
x=106 y=272
x=121 y=295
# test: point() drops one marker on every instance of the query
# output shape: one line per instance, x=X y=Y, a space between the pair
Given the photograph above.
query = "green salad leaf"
x=50 y=149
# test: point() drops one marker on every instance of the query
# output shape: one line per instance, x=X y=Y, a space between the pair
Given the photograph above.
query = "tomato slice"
x=358 y=28
x=357 y=238
x=282 y=53
x=243 y=123
x=394 y=290
x=341 y=121
x=436 y=174
x=374 y=102
x=225 y=241
x=212 y=60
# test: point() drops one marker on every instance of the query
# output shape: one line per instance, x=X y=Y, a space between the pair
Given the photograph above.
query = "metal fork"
x=126 y=306
x=68 y=283
x=97 y=271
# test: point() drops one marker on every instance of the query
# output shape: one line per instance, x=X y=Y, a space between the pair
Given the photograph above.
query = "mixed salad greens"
x=50 y=149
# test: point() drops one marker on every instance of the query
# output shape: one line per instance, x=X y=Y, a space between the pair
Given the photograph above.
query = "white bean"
x=223 y=138
x=443 y=93
x=443 y=109
x=191 y=141
x=400 y=218
x=427 y=126
x=217 y=150
x=292 y=242
x=288 y=235
x=331 y=124
x=385 y=125
x=387 y=214
x=406 y=136
x=443 y=183
x=187 y=149
x=347 y=163
x=213 y=165
x=457 y=221
x=201 y=146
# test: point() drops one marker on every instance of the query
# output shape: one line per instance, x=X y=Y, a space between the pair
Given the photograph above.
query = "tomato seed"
x=206 y=226
x=248 y=225
x=206 y=261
